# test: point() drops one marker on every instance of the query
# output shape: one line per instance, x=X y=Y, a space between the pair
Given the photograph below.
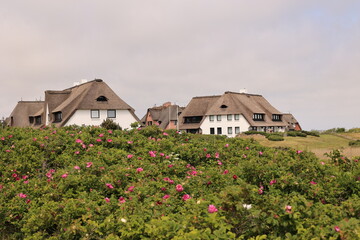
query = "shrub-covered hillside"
x=91 y=183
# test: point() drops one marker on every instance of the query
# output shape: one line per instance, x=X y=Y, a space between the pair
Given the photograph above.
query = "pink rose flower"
x=109 y=185
x=77 y=167
x=139 y=169
x=122 y=200
x=166 y=196
x=272 y=182
x=130 y=156
x=179 y=188
x=186 y=197
x=212 y=209
x=89 y=164
x=131 y=188
x=107 y=199
x=337 y=228
x=64 y=175
x=22 y=195
x=288 y=208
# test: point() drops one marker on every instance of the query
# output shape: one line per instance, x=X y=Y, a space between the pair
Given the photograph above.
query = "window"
x=219 y=131
x=218 y=118
x=229 y=130
x=37 y=120
x=258 y=117
x=276 y=117
x=95 y=113
x=212 y=130
x=237 y=130
x=58 y=117
x=229 y=117
x=149 y=123
x=195 y=119
x=102 y=99
x=237 y=117
x=31 y=120
x=211 y=118
x=111 y=113
x=223 y=106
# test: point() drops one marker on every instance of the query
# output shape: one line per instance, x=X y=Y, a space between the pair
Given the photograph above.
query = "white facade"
x=84 y=117
x=230 y=124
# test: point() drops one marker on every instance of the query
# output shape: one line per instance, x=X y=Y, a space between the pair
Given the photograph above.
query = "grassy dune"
x=318 y=145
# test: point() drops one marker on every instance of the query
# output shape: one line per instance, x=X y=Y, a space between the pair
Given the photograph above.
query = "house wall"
x=123 y=117
x=224 y=124
x=149 y=119
x=171 y=125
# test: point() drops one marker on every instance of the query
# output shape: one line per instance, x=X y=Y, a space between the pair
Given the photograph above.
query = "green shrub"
x=274 y=137
x=90 y=183
x=110 y=124
x=256 y=132
x=354 y=143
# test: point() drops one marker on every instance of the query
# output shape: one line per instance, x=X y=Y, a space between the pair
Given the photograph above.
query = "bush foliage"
x=94 y=183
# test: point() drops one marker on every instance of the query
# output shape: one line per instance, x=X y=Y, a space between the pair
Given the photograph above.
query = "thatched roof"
x=232 y=103
x=198 y=106
x=84 y=97
x=164 y=114
x=25 y=109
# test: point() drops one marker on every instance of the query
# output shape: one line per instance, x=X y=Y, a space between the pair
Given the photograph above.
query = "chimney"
x=243 y=90
x=167 y=104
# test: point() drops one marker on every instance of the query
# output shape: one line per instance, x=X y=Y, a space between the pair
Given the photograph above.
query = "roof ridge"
x=249 y=94
x=81 y=84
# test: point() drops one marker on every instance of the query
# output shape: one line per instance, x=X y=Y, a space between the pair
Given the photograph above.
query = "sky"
x=302 y=56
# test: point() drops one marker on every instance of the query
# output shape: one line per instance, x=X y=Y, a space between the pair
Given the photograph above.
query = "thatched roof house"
x=88 y=103
x=165 y=116
x=230 y=114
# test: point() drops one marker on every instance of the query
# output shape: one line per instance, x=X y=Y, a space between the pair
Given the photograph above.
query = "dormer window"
x=276 y=117
x=223 y=106
x=58 y=117
x=102 y=99
x=258 y=117
x=37 y=120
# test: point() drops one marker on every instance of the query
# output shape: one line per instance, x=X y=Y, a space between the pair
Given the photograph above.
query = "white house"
x=232 y=113
x=88 y=103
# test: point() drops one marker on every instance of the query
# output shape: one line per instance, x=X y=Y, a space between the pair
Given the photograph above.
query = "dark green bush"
x=354 y=143
x=110 y=124
x=274 y=137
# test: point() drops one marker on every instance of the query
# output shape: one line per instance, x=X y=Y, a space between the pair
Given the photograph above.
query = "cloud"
x=301 y=55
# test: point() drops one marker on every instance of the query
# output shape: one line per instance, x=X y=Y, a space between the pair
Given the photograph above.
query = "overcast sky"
x=302 y=56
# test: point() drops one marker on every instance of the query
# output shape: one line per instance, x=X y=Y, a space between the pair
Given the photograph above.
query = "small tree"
x=110 y=124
